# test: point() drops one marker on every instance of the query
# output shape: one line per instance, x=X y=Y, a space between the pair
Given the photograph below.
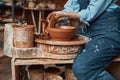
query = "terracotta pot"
x=58 y=33
x=36 y=72
x=61 y=33
x=23 y=36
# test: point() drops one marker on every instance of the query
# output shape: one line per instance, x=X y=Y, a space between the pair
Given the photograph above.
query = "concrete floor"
x=5 y=68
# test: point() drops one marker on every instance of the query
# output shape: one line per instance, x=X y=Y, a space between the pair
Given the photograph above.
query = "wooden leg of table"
x=69 y=73
x=23 y=72
x=15 y=70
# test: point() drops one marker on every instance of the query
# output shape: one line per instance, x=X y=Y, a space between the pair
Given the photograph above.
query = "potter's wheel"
x=78 y=40
x=62 y=47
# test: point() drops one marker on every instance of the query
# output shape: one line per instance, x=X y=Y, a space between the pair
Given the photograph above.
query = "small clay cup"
x=61 y=33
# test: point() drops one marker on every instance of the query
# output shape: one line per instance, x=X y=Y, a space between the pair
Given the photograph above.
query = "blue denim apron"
x=97 y=54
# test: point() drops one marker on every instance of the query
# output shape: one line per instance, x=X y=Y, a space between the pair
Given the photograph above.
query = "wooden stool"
x=114 y=68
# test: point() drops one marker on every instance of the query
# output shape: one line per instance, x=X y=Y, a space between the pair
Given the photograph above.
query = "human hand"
x=55 y=17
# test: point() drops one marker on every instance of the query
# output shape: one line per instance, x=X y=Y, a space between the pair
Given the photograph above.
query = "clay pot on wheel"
x=61 y=33
x=58 y=33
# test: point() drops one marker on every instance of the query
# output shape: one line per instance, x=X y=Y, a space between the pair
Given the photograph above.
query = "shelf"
x=41 y=61
x=41 y=8
x=7 y=20
x=6 y=5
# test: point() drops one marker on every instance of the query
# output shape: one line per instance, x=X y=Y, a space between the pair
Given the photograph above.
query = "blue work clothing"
x=97 y=54
x=94 y=9
x=90 y=63
x=102 y=18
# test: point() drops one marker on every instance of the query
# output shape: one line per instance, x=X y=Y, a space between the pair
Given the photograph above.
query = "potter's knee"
x=79 y=69
x=80 y=72
x=73 y=67
x=76 y=69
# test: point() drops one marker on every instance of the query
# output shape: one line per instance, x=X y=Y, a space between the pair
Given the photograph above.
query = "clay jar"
x=23 y=35
x=61 y=33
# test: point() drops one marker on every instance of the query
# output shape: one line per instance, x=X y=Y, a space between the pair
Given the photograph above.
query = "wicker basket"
x=36 y=72
x=23 y=36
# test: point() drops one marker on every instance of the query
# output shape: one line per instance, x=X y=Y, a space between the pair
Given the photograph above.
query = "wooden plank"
x=15 y=70
x=38 y=53
x=40 y=61
x=46 y=61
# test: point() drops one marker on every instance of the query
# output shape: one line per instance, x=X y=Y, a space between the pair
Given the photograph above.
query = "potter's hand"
x=54 y=17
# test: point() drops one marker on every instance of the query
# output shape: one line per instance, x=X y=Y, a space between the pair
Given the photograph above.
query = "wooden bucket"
x=36 y=72
x=23 y=36
x=69 y=73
